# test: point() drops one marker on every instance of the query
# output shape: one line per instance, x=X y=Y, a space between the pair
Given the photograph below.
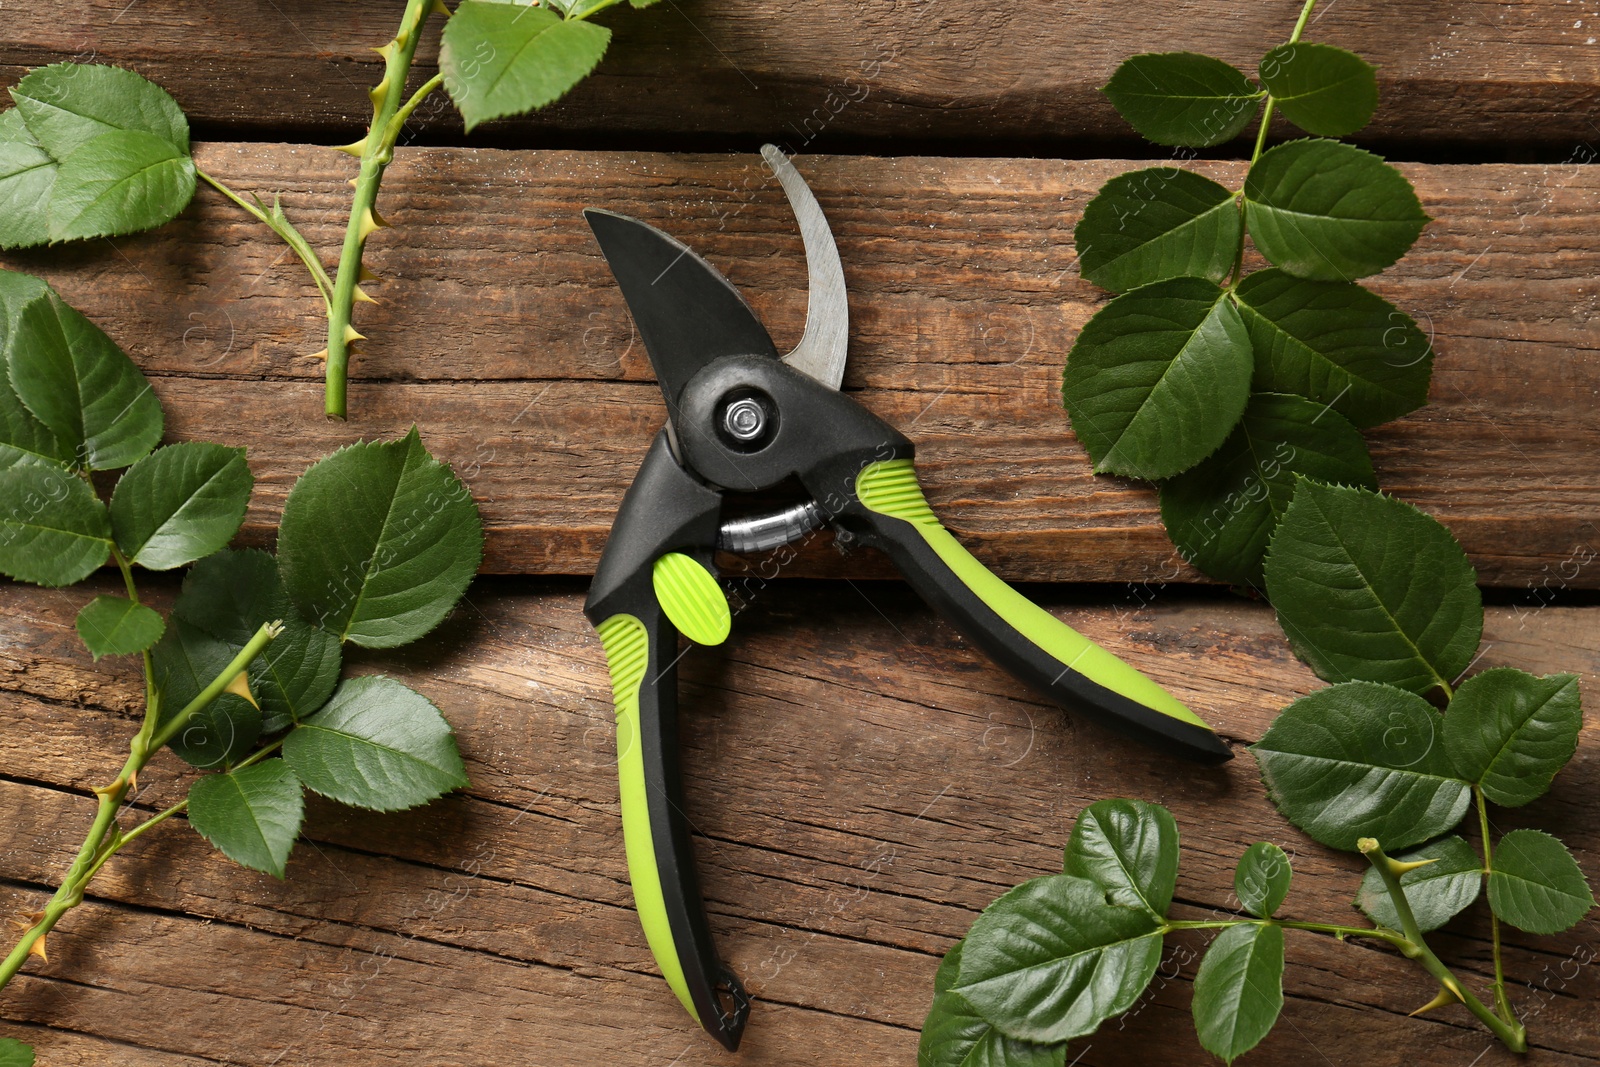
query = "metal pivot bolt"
x=745 y=420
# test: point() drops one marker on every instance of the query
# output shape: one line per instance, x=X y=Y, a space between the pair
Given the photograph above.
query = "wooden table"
x=863 y=781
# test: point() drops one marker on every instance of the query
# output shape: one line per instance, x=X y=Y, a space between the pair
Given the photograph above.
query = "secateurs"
x=742 y=418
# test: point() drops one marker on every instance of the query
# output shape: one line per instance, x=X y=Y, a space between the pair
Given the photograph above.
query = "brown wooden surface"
x=863 y=783
x=1466 y=72
x=502 y=333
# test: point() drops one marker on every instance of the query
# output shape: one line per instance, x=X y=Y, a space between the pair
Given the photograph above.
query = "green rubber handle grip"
x=1035 y=645
x=627 y=656
x=640 y=654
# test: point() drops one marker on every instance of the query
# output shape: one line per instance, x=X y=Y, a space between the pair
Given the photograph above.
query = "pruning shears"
x=743 y=419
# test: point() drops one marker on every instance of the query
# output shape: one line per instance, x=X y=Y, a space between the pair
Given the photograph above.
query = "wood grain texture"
x=502 y=334
x=862 y=782
x=1471 y=72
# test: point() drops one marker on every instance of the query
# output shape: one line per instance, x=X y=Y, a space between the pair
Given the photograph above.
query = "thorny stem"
x=343 y=290
x=376 y=150
x=127 y=838
x=70 y=893
x=263 y=637
x=1512 y=1035
x=161 y=817
x=1261 y=142
x=1501 y=1004
x=95 y=850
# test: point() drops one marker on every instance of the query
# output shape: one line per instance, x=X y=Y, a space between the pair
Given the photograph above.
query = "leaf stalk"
x=1502 y=1005
x=278 y=223
x=1261 y=143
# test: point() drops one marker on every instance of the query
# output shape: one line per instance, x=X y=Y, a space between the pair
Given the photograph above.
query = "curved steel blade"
x=688 y=314
x=822 y=348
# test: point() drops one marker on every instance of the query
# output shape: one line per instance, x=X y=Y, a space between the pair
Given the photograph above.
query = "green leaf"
x=1238 y=991
x=79 y=384
x=955 y=1035
x=1129 y=849
x=1150 y=225
x=499 y=60
x=1335 y=343
x=67 y=105
x=1157 y=378
x=27 y=176
x=17 y=291
x=120 y=182
x=22 y=436
x=1262 y=879
x=1436 y=893
x=179 y=503
x=1183 y=98
x=1366 y=586
x=1362 y=760
x=1536 y=885
x=116 y=626
x=376 y=745
x=252 y=814
x=118 y=151
x=1321 y=89
x=186 y=660
x=14 y=1053
x=949 y=967
x=1330 y=211
x=1051 y=960
x=378 y=542
x=53 y=529
x=1509 y=732
x=229 y=595
x=1221 y=513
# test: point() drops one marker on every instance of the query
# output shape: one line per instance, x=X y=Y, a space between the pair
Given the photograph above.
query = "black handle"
x=1024 y=638
x=659 y=549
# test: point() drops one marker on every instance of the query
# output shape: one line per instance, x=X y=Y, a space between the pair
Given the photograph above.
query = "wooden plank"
x=1475 y=73
x=502 y=334
x=863 y=783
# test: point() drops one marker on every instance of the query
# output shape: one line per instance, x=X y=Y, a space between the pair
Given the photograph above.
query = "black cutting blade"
x=688 y=314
